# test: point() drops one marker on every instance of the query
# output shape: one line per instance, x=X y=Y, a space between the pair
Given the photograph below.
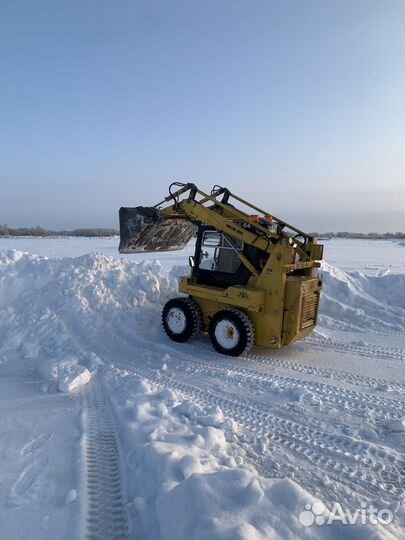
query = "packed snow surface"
x=210 y=447
x=367 y=256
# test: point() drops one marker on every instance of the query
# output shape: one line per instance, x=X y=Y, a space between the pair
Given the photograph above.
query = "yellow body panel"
x=248 y=298
x=282 y=306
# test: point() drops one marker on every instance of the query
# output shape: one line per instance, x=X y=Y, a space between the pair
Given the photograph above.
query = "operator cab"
x=216 y=261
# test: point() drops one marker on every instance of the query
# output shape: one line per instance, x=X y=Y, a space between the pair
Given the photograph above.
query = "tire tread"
x=193 y=316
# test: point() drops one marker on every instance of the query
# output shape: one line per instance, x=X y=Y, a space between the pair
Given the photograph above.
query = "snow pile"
x=188 y=480
x=352 y=300
x=51 y=310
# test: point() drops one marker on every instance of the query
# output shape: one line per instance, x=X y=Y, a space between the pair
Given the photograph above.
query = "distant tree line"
x=5 y=230
x=364 y=236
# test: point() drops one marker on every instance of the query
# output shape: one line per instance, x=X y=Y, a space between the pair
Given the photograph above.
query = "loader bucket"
x=143 y=229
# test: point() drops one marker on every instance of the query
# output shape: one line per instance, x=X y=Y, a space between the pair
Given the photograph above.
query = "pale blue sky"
x=297 y=105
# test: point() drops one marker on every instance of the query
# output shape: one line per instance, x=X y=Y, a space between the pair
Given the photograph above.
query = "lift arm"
x=170 y=226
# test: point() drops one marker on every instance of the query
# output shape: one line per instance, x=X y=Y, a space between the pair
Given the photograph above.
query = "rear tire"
x=231 y=332
x=181 y=319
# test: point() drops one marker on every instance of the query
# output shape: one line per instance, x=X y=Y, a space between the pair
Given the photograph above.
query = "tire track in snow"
x=377 y=384
x=369 y=350
x=329 y=373
x=355 y=466
x=106 y=513
x=372 y=469
x=349 y=401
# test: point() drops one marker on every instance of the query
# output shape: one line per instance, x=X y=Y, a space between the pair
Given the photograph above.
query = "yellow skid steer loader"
x=253 y=277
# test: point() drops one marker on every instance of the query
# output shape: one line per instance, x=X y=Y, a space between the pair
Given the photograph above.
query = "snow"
x=71 y=496
x=189 y=482
x=72 y=377
x=75 y=247
x=67 y=372
x=356 y=300
x=208 y=446
x=367 y=256
x=396 y=425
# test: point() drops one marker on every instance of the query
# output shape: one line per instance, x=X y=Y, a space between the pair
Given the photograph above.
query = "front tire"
x=231 y=332
x=181 y=319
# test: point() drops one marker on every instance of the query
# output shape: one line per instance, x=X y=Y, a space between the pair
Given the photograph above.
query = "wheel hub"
x=227 y=334
x=176 y=320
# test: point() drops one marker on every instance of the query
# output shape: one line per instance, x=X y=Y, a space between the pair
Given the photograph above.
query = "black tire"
x=240 y=342
x=188 y=314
